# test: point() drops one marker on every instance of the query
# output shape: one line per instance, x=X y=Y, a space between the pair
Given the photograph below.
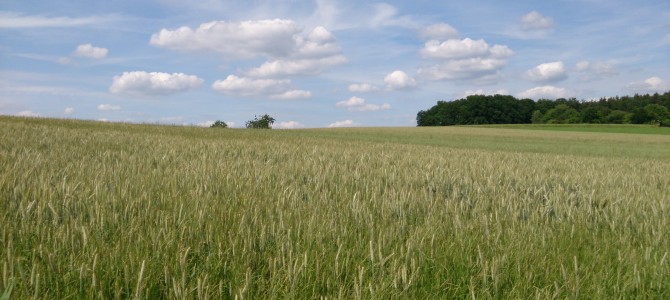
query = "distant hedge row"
x=503 y=109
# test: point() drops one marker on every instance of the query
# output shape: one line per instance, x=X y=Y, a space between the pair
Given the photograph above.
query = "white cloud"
x=465 y=48
x=68 y=110
x=545 y=92
x=358 y=104
x=87 y=50
x=362 y=88
x=244 y=86
x=649 y=85
x=290 y=51
x=399 y=80
x=290 y=125
x=596 y=70
x=452 y=49
x=441 y=31
x=345 y=123
x=470 y=68
x=464 y=59
x=353 y=101
x=319 y=43
x=154 y=83
x=271 y=88
x=17 y=20
x=296 y=67
x=27 y=113
x=535 y=21
x=274 y=38
x=313 y=54
x=108 y=107
x=292 y=95
x=547 y=72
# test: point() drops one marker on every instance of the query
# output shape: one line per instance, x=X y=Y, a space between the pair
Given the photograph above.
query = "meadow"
x=116 y=211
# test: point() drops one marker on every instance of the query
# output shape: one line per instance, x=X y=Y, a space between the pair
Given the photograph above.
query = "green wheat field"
x=116 y=211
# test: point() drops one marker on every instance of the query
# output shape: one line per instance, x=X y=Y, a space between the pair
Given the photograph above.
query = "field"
x=609 y=128
x=116 y=211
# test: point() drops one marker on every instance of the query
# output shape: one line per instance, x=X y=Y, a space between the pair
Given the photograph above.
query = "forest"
x=505 y=109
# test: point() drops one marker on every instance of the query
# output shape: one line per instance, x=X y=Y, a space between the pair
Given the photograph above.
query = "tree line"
x=505 y=109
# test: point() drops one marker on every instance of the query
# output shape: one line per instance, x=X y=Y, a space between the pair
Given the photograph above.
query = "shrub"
x=219 y=124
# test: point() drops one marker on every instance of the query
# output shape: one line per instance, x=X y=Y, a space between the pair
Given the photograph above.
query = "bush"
x=219 y=124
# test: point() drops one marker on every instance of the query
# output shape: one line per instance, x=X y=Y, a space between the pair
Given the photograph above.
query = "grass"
x=606 y=128
x=97 y=210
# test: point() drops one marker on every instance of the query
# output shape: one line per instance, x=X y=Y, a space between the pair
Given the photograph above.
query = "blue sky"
x=323 y=63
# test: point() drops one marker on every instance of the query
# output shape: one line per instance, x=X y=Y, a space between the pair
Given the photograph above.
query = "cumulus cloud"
x=307 y=66
x=461 y=69
x=108 y=107
x=292 y=95
x=245 y=39
x=244 y=86
x=290 y=51
x=89 y=51
x=464 y=59
x=465 y=48
x=319 y=43
x=441 y=31
x=649 y=85
x=153 y=83
x=547 y=72
x=535 y=21
x=452 y=49
x=271 y=88
x=545 y=92
x=358 y=104
x=596 y=70
x=313 y=54
x=27 y=113
x=345 y=123
x=68 y=111
x=289 y=125
x=362 y=88
x=399 y=80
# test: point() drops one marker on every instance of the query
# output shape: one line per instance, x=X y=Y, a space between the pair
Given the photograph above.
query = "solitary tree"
x=219 y=124
x=262 y=122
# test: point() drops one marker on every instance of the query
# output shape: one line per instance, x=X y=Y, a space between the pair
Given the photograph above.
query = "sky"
x=322 y=63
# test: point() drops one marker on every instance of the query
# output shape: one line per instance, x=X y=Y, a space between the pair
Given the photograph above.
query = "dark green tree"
x=640 y=116
x=263 y=122
x=657 y=113
x=219 y=124
x=590 y=115
x=537 y=117
x=562 y=114
x=618 y=117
